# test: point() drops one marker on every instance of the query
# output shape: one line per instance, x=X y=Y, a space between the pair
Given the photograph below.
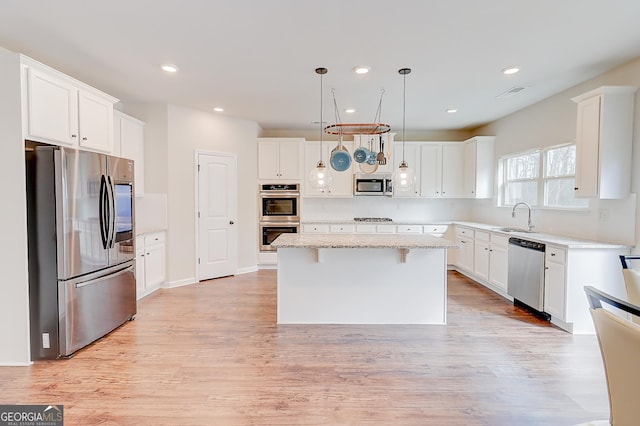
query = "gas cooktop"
x=372 y=219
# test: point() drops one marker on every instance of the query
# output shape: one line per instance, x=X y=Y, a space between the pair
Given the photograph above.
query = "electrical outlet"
x=46 y=344
x=604 y=214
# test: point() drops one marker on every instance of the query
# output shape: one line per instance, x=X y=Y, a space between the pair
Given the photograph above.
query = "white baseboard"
x=16 y=364
x=180 y=283
x=247 y=270
x=268 y=266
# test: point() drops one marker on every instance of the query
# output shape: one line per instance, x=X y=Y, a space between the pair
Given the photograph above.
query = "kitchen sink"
x=509 y=229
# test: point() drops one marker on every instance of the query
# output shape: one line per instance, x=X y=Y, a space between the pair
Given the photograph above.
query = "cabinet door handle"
x=84 y=139
x=74 y=136
x=231 y=222
x=575 y=188
x=553 y=254
x=546 y=267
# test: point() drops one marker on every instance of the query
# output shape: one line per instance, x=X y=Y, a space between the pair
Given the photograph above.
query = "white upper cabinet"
x=129 y=143
x=341 y=183
x=452 y=170
x=52 y=114
x=430 y=170
x=478 y=167
x=441 y=172
x=412 y=157
x=95 y=117
x=62 y=111
x=604 y=137
x=280 y=158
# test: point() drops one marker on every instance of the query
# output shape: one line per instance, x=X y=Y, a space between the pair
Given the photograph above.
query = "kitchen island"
x=362 y=279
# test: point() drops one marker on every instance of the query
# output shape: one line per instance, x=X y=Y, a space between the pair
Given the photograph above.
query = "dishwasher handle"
x=531 y=245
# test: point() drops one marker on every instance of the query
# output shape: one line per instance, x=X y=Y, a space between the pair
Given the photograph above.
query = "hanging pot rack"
x=357 y=129
x=375 y=128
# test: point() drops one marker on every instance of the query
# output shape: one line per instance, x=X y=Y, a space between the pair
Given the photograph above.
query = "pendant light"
x=320 y=178
x=403 y=176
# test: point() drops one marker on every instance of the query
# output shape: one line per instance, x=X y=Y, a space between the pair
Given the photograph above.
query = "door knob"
x=231 y=222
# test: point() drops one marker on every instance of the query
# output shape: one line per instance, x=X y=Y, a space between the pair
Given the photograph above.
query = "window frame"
x=542 y=179
x=503 y=176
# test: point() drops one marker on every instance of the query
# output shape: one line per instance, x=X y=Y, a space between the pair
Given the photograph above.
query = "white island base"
x=362 y=285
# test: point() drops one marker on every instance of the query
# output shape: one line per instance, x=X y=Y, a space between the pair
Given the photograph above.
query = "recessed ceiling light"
x=510 y=70
x=169 y=68
x=218 y=109
x=451 y=110
x=361 y=69
x=349 y=110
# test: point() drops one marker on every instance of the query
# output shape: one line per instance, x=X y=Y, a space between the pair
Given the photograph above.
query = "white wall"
x=172 y=136
x=552 y=122
x=189 y=131
x=156 y=159
x=398 y=209
x=14 y=286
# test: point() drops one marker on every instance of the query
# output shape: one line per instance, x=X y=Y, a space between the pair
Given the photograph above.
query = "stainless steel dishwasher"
x=526 y=273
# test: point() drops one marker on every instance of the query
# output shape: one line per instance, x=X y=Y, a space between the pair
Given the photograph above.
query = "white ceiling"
x=257 y=58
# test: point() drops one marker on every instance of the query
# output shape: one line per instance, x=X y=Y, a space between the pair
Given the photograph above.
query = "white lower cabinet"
x=465 y=254
x=481 y=255
x=385 y=229
x=554 y=282
x=373 y=228
x=499 y=261
x=366 y=228
x=342 y=229
x=409 y=229
x=315 y=228
x=150 y=262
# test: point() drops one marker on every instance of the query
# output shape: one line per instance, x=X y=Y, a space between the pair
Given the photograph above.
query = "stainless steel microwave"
x=380 y=184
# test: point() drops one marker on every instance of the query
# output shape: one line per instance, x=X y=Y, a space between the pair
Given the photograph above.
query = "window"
x=559 y=178
x=521 y=174
x=542 y=177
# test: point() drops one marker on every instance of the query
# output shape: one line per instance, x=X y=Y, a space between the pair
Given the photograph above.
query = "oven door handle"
x=279 y=194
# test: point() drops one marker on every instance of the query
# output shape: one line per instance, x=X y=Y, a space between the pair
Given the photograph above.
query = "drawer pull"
x=553 y=254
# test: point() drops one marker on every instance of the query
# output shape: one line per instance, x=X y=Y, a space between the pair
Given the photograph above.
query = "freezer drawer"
x=94 y=305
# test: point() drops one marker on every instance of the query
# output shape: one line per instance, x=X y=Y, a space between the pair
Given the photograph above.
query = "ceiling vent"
x=510 y=92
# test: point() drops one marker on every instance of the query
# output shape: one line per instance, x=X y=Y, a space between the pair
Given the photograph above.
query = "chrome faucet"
x=530 y=226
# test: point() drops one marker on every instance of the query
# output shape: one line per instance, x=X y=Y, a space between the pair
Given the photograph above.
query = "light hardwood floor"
x=211 y=354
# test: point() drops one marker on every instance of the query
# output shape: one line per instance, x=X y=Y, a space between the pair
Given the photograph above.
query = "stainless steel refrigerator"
x=81 y=234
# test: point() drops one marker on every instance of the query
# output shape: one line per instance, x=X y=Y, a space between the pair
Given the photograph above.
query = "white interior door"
x=217 y=212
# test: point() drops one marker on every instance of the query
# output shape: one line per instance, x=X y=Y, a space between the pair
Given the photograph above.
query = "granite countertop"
x=541 y=237
x=561 y=240
x=393 y=241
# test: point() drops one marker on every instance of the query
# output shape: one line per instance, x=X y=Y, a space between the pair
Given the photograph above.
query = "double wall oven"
x=279 y=212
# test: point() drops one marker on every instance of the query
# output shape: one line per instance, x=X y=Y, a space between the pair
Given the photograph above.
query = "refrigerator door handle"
x=102 y=209
x=111 y=235
x=100 y=279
